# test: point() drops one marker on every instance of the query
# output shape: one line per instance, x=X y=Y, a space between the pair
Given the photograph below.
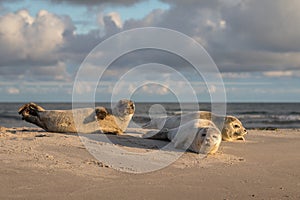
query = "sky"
x=254 y=45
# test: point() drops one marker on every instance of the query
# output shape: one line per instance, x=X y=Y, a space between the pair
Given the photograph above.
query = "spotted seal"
x=198 y=135
x=82 y=120
x=230 y=126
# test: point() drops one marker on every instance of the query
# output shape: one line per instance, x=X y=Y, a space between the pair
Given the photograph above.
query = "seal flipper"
x=30 y=108
x=30 y=113
x=148 y=125
x=161 y=135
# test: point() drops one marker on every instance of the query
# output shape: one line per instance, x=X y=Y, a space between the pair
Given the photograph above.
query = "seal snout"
x=207 y=142
x=131 y=108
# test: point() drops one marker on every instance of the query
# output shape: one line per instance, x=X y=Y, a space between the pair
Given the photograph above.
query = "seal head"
x=233 y=129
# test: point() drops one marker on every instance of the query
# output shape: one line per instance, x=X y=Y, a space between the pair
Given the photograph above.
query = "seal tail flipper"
x=30 y=113
x=161 y=135
x=147 y=125
x=30 y=108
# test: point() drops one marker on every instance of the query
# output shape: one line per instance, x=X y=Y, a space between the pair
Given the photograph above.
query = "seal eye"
x=132 y=106
x=203 y=135
x=237 y=126
x=214 y=136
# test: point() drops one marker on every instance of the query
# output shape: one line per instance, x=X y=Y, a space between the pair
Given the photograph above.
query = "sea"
x=252 y=115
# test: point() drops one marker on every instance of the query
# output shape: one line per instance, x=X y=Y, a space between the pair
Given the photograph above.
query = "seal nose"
x=131 y=103
x=207 y=141
x=245 y=131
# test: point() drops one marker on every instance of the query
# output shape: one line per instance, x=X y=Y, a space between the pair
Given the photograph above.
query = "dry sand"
x=39 y=165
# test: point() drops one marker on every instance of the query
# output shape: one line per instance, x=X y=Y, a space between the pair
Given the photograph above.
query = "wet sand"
x=39 y=165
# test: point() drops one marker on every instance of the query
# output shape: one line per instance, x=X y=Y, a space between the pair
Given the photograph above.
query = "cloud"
x=57 y=72
x=30 y=39
x=155 y=89
x=236 y=75
x=30 y=46
x=49 y=73
x=240 y=35
x=268 y=25
x=116 y=18
x=151 y=19
x=287 y=73
x=212 y=89
x=112 y=23
x=112 y=16
x=251 y=61
x=98 y=2
x=13 y=90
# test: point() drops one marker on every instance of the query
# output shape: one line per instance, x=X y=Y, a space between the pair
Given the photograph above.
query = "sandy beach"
x=35 y=164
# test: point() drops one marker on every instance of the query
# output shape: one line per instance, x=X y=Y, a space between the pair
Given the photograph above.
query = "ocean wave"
x=294 y=113
x=291 y=118
x=252 y=115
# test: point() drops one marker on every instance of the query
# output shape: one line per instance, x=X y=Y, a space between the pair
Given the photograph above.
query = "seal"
x=231 y=128
x=198 y=135
x=83 y=120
